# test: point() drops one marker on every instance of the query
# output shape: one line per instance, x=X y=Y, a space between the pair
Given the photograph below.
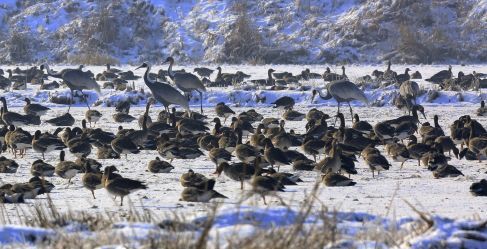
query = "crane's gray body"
x=165 y=93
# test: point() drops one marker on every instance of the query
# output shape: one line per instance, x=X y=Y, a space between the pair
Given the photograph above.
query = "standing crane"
x=163 y=92
x=76 y=80
x=186 y=82
x=342 y=91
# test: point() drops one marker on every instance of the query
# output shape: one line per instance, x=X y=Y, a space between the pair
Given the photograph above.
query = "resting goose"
x=159 y=166
x=34 y=109
x=92 y=116
x=41 y=168
x=331 y=179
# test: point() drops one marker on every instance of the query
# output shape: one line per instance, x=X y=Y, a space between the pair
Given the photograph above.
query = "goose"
x=120 y=186
x=192 y=194
x=186 y=82
x=482 y=111
x=41 y=168
x=447 y=144
x=264 y=185
x=80 y=146
x=123 y=106
x=44 y=144
x=223 y=111
x=252 y=115
x=92 y=180
x=219 y=156
x=376 y=162
x=292 y=115
x=121 y=117
x=190 y=126
x=34 y=109
x=7 y=196
x=124 y=145
x=275 y=156
x=244 y=152
x=400 y=78
x=13 y=118
x=388 y=73
x=159 y=166
x=399 y=152
x=362 y=126
x=441 y=76
x=447 y=171
x=315 y=114
x=304 y=165
x=281 y=139
x=27 y=190
x=150 y=102
x=284 y=103
x=478 y=146
x=329 y=76
x=257 y=139
x=18 y=140
x=207 y=142
x=63 y=120
x=331 y=179
x=106 y=152
x=85 y=162
x=92 y=116
x=66 y=169
x=284 y=178
x=266 y=82
x=479 y=188
x=317 y=130
x=314 y=147
x=417 y=150
x=196 y=180
x=238 y=171
x=203 y=71
x=331 y=163
x=218 y=128
x=8 y=165
x=49 y=86
x=416 y=75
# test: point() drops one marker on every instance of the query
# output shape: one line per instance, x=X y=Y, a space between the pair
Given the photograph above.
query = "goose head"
x=144 y=65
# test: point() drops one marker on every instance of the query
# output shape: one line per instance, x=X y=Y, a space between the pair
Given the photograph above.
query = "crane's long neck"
x=50 y=72
x=169 y=70
x=343 y=71
x=4 y=103
x=147 y=80
x=342 y=121
x=219 y=73
x=269 y=75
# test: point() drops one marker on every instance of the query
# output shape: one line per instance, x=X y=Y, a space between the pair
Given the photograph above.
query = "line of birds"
x=183 y=135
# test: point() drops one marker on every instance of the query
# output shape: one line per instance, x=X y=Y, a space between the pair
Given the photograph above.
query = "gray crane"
x=409 y=90
x=186 y=82
x=342 y=91
x=163 y=92
x=76 y=80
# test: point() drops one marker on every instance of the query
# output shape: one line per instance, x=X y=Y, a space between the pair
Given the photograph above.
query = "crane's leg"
x=351 y=112
x=71 y=100
x=201 y=101
x=85 y=98
x=338 y=111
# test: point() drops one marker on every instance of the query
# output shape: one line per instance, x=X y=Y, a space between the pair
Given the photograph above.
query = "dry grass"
x=174 y=231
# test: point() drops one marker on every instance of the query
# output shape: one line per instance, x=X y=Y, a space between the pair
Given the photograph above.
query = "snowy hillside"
x=252 y=31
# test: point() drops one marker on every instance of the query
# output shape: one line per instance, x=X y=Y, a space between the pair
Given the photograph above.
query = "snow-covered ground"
x=381 y=197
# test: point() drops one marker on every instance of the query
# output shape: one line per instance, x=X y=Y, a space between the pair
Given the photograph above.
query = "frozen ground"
x=383 y=196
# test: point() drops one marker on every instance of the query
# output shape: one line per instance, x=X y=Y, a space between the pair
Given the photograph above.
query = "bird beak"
x=138 y=67
x=423 y=115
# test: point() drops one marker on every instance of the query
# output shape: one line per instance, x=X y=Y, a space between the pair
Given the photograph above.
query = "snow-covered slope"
x=258 y=31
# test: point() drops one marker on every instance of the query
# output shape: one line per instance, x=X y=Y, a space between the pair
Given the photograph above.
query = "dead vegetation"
x=314 y=226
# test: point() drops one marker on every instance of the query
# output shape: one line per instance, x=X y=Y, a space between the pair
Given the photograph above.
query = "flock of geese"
x=262 y=145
